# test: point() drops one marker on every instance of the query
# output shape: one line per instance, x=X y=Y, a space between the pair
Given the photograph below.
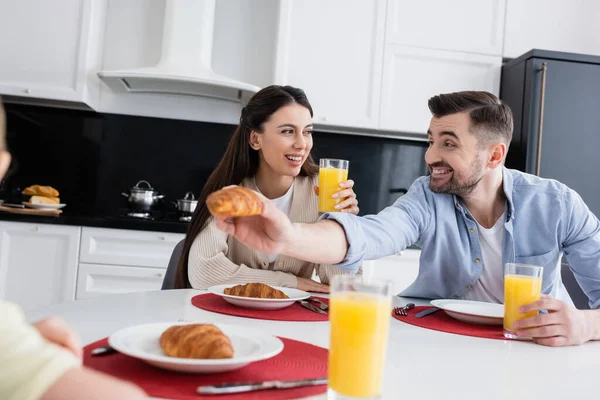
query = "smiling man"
x=470 y=217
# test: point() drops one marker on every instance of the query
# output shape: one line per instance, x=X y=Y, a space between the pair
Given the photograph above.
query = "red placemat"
x=298 y=360
x=295 y=312
x=440 y=321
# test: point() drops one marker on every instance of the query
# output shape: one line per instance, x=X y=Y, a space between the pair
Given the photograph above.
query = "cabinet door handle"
x=538 y=158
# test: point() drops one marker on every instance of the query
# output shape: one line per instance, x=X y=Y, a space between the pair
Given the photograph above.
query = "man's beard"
x=453 y=186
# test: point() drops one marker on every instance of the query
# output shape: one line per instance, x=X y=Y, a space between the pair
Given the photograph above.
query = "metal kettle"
x=187 y=204
x=142 y=198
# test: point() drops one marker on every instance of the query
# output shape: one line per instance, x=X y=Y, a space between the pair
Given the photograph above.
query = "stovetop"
x=157 y=221
x=152 y=215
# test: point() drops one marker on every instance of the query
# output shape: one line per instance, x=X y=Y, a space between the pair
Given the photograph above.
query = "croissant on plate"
x=235 y=201
x=256 y=290
x=38 y=190
x=196 y=341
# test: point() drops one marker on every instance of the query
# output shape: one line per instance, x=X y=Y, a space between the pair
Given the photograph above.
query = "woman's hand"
x=350 y=203
x=308 y=285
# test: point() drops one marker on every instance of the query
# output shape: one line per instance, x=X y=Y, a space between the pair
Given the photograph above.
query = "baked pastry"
x=196 y=341
x=37 y=190
x=235 y=201
x=44 y=200
x=256 y=290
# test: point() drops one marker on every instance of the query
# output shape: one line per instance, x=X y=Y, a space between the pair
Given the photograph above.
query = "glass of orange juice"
x=522 y=285
x=332 y=172
x=359 y=316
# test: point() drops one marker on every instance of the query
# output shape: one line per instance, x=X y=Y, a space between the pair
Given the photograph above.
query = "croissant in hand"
x=235 y=201
x=196 y=341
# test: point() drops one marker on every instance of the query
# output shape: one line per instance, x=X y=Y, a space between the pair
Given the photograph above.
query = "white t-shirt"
x=284 y=203
x=490 y=286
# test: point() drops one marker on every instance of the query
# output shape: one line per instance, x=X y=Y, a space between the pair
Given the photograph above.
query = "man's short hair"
x=491 y=120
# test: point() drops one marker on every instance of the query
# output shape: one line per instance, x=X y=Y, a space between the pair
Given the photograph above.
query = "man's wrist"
x=593 y=320
x=291 y=240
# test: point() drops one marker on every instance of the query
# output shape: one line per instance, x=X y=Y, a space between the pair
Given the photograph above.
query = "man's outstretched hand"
x=269 y=232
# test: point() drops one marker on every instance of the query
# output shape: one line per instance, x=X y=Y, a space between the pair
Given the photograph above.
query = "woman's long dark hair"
x=240 y=161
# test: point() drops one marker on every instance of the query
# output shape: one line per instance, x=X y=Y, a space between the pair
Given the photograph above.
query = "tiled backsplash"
x=91 y=158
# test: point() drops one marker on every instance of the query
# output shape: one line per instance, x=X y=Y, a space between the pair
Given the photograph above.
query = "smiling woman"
x=269 y=152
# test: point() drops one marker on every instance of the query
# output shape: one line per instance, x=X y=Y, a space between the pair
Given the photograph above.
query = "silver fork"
x=403 y=310
x=322 y=305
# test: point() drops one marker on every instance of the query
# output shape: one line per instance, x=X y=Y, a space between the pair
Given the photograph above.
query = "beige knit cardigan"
x=217 y=258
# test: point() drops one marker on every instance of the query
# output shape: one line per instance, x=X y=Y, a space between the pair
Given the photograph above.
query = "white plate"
x=143 y=342
x=473 y=312
x=261 y=304
x=44 y=206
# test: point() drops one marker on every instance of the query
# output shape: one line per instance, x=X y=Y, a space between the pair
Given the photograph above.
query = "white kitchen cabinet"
x=51 y=49
x=558 y=25
x=123 y=261
x=96 y=279
x=412 y=75
x=470 y=26
x=38 y=263
x=333 y=50
x=127 y=247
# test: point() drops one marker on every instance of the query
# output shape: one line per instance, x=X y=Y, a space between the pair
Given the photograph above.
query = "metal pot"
x=141 y=198
x=187 y=204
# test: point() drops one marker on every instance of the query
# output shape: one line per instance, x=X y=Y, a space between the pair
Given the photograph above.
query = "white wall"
x=559 y=25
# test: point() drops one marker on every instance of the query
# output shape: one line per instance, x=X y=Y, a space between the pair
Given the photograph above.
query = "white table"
x=421 y=363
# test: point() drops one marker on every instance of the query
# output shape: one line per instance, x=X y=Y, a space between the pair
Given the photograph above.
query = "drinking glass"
x=332 y=172
x=359 y=316
x=522 y=285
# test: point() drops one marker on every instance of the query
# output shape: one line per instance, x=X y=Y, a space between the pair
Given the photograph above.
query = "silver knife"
x=425 y=313
x=13 y=205
x=309 y=306
x=103 y=351
x=249 y=386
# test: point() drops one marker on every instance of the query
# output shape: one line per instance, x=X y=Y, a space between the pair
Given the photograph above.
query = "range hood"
x=185 y=64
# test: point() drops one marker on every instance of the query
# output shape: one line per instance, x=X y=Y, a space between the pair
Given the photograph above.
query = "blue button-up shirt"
x=544 y=220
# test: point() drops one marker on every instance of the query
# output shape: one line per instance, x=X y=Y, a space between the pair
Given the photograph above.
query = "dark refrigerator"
x=555 y=99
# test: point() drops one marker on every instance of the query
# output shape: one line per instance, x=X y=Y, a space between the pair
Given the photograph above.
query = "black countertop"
x=107 y=222
x=100 y=222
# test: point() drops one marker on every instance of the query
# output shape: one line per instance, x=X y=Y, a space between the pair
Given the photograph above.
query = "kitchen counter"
x=100 y=222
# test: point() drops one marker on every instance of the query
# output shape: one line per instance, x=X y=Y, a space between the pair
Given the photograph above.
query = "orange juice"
x=329 y=183
x=359 y=330
x=518 y=291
